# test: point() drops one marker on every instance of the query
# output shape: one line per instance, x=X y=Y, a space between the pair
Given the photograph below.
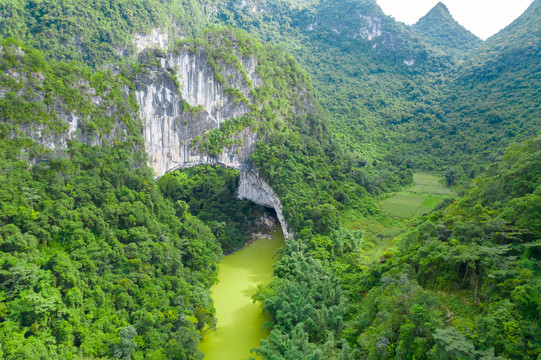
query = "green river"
x=239 y=320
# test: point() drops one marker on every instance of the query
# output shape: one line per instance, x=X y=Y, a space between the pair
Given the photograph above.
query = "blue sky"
x=484 y=18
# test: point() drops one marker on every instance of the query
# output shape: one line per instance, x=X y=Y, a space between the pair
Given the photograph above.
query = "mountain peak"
x=439 y=12
x=441 y=30
x=441 y=7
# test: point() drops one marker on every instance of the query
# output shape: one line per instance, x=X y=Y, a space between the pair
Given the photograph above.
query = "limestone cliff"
x=170 y=128
x=58 y=109
x=169 y=131
x=181 y=97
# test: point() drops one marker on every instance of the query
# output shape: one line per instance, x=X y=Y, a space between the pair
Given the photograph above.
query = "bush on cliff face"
x=296 y=152
x=94 y=261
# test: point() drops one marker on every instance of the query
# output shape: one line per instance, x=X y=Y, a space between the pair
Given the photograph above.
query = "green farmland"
x=425 y=195
x=429 y=184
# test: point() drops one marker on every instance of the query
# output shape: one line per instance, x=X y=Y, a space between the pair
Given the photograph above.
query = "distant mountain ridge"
x=376 y=75
x=498 y=87
x=441 y=30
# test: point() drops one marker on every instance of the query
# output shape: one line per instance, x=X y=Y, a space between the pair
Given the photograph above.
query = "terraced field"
x=425 y=195
x=429 y=184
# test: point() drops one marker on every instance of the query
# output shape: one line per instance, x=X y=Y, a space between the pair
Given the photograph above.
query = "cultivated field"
x=380 y=233
x=428 y=184
x=425 y=195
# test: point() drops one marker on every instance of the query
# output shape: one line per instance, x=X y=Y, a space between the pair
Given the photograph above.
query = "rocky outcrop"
x=158 y=38
x=59 y=122
x=253 y=188
x=170 y=128
x=180 y=99
x=372 y=27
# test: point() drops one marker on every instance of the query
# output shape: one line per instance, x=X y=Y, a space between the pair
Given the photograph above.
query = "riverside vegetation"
x=100 y=260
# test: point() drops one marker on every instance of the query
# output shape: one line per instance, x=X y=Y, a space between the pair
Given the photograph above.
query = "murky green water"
x=239 y=319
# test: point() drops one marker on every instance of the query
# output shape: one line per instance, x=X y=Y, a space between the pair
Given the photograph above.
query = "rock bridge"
x=179 y=100
x=184 y=81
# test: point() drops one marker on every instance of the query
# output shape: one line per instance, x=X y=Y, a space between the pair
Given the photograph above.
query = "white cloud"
x=484 y=18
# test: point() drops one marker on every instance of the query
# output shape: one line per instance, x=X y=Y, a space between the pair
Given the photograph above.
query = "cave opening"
x=210 y=193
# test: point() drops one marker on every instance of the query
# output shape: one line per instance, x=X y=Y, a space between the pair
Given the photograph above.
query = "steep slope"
x=94 y=262
x=80 y=209
x=384 y=86
x=514 y=51
x=90 y=252
x=367 y=66
x=467 y=277
x=439 y=29
x=100 y=31
x=494 y=98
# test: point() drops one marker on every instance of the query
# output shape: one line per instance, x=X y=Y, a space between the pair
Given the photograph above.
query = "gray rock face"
x=158 y=38
x=70 y=121
x=43 y=135
x=253 y=188
x=169 y=131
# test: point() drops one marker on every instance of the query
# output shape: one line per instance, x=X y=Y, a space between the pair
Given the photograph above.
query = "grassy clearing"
x=432 y=201
x=403 y=205
x=379 y=233
x=425 y=195
x=383 y=231
x=428 y=184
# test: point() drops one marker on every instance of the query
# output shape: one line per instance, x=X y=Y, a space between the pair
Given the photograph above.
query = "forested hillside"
x=99 y=259
x=493 y=100
x=464 y=283
x=94 y=261
x=137 y=262
x=386 y=86
x=442 y=31
x=97 y=31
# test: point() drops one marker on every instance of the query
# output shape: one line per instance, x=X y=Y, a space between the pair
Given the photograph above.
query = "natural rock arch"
x=255 y=189
x=169 y=131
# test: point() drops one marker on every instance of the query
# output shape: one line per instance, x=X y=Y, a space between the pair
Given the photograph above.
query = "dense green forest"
x=456 y=99
x=99 y=259
x=96 y=263
x=209 y=193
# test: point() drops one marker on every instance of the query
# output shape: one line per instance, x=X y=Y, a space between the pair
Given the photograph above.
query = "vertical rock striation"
x=180 y=99
x=170 y=127
x=170 y=130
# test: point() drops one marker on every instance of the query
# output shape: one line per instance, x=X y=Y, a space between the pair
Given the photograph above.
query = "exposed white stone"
x=241 y=4
x=169 y=132
x=409 y=62
x=39 y=77
x=158 y=38
x=372 y=27
x=311 y=26
x=253 y=188
x=19 y=51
